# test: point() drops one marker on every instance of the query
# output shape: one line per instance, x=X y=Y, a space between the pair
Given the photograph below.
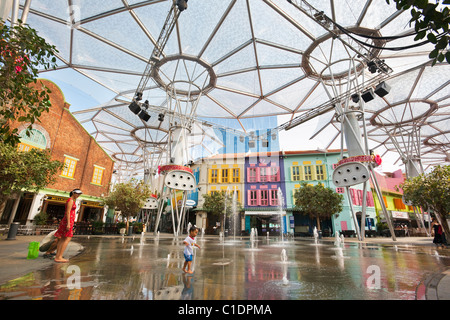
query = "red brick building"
x=88 y=166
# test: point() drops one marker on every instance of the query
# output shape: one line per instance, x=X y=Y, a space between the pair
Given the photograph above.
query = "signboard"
x=57 y=199
x=92 y=204
x=399 y=215
x=190 y=203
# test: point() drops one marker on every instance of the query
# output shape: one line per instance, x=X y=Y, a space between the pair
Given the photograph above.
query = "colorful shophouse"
x=224 y=172
x=265 y=208
x=403 y=217
x=315 y=167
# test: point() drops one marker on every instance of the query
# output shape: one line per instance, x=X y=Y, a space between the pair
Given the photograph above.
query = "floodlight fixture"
x=368 y=95
x=372 y=67
x=251 y=143
x=134 y=107
x=161 y=117
x=355 y=97
x=143 y=114
x=382 y=89
x=182 y=5
x=138 y=96
x=265 y=143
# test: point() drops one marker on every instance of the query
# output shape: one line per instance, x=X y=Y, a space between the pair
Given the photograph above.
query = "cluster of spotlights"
x=381 y=90
x=142 y=112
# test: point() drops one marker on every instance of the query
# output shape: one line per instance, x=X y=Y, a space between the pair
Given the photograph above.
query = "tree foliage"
x=216 y=203
x=430 y=22
x=128 y=197
x=31 y=171
x=318 y=202
x=22 y=98
x=431 y=192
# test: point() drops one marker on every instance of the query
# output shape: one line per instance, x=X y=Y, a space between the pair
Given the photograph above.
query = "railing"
x=4 y=228
x=88 y=228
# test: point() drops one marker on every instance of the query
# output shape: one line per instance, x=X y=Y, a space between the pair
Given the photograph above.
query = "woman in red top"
x=65 y=230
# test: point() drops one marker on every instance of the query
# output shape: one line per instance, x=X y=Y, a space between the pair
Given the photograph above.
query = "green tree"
x=431 y=192
x=430 y=22
x=128 y=197
x=22 y=98
x=318 y=202
x=216 y=203
x=31 y=171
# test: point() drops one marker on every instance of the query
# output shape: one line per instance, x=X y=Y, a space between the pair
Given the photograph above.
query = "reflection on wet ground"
x=150 y=269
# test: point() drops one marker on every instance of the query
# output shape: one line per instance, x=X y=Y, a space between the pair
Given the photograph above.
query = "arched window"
x=35 y=140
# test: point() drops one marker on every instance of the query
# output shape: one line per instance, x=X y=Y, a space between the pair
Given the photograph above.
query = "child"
x=189 y=242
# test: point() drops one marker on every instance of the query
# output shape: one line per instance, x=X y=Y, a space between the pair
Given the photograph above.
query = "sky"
x=82 y=93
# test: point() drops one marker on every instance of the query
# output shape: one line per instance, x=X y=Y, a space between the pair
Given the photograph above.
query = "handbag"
x=33 y=250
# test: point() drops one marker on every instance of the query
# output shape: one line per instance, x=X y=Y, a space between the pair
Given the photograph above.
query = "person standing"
x=189 y=243
x=65 y=230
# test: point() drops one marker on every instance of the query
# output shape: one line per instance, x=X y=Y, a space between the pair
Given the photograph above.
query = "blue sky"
x=80 y=92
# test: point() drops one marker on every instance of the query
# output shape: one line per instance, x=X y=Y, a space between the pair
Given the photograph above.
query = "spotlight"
x=138 y=96
x=265 y=143
x=251 y=143
x=382 y=89
x=143 y=114
x=161 y=117
x=134 y=107
x=355 y=98
x=368 y=95
x=241 y=138
x=182 y=5
x=372 y=67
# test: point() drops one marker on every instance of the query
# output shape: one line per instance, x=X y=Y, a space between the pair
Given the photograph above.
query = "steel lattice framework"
x=248 y=59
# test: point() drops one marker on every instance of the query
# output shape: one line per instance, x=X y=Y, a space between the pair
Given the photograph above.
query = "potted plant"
x=138 y=227
x=39 y=220
x=120 y=226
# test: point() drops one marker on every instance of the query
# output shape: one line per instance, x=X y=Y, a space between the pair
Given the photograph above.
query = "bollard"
x=13 y=230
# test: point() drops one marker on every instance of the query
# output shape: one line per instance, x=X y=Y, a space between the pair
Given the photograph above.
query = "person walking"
x=438 y=232
x=65 y=230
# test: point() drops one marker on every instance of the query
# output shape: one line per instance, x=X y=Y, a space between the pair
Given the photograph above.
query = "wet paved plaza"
x=149 y=268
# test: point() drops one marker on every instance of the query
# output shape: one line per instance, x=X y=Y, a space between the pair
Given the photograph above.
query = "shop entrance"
x=55 y=211
x=90 y=214
x=264 y=224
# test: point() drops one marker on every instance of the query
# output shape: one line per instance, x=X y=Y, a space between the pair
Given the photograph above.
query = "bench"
x=347 y=233
x=4 y=229
x=371 y=233
x=26 y=230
